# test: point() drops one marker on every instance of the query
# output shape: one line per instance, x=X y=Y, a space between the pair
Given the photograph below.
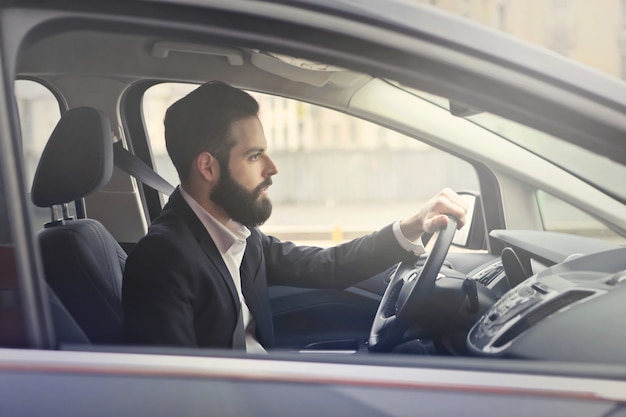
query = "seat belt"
x=134 y=166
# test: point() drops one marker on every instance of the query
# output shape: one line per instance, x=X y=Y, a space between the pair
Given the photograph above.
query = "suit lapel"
x=208 y=246
x=260 y=310
x=248 y=271
x=247 y=288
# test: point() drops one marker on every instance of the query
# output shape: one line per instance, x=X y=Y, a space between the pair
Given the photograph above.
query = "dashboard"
x=560 y=297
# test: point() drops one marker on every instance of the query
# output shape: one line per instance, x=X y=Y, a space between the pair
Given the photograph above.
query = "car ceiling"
x=133 y=57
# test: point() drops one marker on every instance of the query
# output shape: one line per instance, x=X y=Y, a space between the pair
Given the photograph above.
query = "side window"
x=559 y=216
x=156 y=100
x=339 y=176
x=39 y=112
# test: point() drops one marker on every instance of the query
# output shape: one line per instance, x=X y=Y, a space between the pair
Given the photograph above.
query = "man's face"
x=242 y=187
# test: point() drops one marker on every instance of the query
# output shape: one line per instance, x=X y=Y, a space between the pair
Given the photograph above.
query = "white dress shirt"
x=408 y=245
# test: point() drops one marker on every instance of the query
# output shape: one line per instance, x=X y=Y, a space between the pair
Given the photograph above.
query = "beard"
x=239 y=203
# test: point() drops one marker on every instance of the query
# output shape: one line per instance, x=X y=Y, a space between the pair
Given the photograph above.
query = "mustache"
x=266 y=183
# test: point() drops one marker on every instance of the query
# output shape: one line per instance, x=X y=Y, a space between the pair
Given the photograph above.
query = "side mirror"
x=472 y=235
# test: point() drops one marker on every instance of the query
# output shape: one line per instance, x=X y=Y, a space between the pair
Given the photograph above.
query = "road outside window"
x=339 y=177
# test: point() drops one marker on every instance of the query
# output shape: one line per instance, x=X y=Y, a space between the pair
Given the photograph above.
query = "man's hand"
x=432 y=215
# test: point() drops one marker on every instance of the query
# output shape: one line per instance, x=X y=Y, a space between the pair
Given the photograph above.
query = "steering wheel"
x=409 y=287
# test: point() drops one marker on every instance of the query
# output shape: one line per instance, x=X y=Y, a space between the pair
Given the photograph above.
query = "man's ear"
x=208 y=167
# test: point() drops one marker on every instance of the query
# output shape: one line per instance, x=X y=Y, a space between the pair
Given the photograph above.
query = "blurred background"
x=592 y=32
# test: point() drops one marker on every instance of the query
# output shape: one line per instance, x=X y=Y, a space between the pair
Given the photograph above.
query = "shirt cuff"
x=406 y=244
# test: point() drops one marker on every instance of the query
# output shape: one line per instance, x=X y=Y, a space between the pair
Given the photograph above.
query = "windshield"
x=598 y=171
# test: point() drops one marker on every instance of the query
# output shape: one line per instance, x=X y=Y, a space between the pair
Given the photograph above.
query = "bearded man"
x=200 y=275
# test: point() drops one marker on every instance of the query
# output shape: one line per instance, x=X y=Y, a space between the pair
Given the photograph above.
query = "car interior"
x=504 y=287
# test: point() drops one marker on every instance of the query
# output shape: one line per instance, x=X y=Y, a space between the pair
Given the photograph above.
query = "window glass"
x=339 y=176
x=598 y=171
x=571 y=28
x=39 y=113
x=559 y=216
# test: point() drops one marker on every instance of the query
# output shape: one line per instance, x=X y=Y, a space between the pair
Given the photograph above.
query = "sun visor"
x=162 y=50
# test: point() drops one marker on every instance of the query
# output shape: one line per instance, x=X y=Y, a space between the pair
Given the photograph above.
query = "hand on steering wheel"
x=409 y=287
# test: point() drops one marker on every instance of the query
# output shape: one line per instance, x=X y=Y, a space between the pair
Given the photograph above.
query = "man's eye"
x=254 y=157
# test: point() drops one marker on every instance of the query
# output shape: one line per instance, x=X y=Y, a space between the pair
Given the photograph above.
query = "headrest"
x=77 y=160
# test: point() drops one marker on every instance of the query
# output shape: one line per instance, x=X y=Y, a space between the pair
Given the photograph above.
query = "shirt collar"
x=224 y=236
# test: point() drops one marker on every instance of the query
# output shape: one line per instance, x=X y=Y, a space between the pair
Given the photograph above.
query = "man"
x=200 y=275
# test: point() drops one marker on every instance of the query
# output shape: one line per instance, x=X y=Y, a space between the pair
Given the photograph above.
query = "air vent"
x=487 y=275
x=541 y=313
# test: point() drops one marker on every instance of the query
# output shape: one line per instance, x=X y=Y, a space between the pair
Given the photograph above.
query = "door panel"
x=321 y=319
x=326 y=319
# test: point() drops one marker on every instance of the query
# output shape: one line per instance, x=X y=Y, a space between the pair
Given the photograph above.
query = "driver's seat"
x=83 y=263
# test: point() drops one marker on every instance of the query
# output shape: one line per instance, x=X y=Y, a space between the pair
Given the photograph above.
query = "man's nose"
x=271 y=168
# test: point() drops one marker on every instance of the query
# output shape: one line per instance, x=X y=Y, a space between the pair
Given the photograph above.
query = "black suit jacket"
x=178 y=291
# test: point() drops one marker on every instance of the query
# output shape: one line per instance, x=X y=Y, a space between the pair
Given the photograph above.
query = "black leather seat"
x=83 y=263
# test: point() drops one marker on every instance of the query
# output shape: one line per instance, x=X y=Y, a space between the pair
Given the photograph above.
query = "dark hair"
x=201 y=121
